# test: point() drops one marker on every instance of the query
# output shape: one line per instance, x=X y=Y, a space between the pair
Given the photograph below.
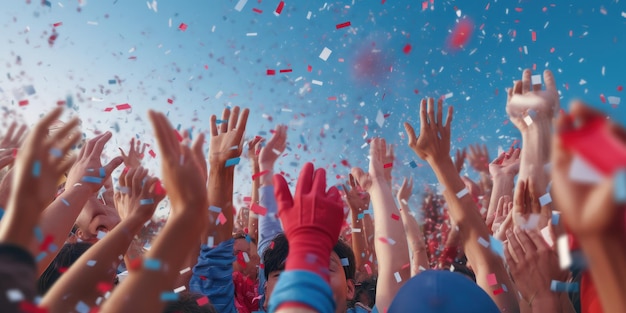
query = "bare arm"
x=414 y=236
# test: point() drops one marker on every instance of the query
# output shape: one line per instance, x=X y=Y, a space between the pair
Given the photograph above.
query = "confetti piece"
x=232 y=162
x=239 y=6
x=259 y=174
x=81 y=307
x=182 y=27
x=317 y=82
x=619 y=186
x=101 y=234
x=464 y=192
x=104 y=287
x=491 y=279
x=221 y=219
x=397 y=276
x=258 y=209
x=169 y=296
x=38 y=234
x=325 y=54
x=555 y=217
x=246 y=257
x=180 y=289
x=483 y=242
x=547 y=237
x=536 y=79
x=528 y=120
x=271 y=72
x=152 y=264
x=40 y=256
x=581 y=171
x=345 y=262
x=185 y=270
x=257 y=10
x=124 y=106
x=203 y=301
x=562 y=249
x=407 y=49
x=368 y=269
x=215 y=209
x=146 y=201
x=356 y=230
x=91 y=179
x=23 y=103
x=534 y=37
x=211 y=242
x=559 y=286
x=461 y=34
x=279 y=8
x=395 y=217
x=498 y=291
x=388 y=165
x=496 y=246
x=56 y=152
x=15 y=295
x=342 y=25
x=36 y=168
x=102 y=172
x=288 y=70
x=545 y=199
x=413 y=164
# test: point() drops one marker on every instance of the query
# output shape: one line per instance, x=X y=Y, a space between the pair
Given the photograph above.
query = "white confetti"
x=239 y=6
x=562 y=248
x=325 y=54
x=14 y=295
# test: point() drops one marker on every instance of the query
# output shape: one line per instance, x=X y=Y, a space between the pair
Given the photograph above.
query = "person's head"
x=98 y=214
x=188 y=303
x=341 y=276
x=245 y=245
x=68 y=254
x=365 y=292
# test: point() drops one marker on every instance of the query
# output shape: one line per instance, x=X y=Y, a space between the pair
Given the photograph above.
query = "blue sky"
x=217 y=62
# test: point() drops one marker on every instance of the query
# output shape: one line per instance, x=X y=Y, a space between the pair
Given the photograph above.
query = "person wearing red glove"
x=312 y=222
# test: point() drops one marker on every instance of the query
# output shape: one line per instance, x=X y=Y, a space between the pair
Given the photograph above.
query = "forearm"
x=546 y=302
x=358 y=240
x=58 y=219
x=606 y=258
x=96 y=265
x=220 y=192
x=536 y=154
x=141 y=291
x=415 y=240
x=473 y=231
x=253 y=219
x=392 y=254
x=502 y=186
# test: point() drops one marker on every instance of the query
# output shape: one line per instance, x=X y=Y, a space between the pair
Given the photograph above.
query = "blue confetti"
x=231 y=162
x=413 y=164
x=248 y=239
x=555 y=218
x=52 y=248
x=146 y=201
x=103 y=173
x=559 y=286
x=215 y=209
x=112 y=81
x=40 y=256
x=91 y=179
x=345 y=262
x=56 y=152
x=619 y=186
x=169 y=296
x=496 y=246
x=38 y=234
x=36 y=168
x=152 y=264
x=1 y=213
x=360 y=216
x=65 y=202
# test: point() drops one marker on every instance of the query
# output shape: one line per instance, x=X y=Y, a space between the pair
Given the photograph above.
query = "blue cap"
x=441 y=292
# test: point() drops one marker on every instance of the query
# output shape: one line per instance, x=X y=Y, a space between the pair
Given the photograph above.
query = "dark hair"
x=275 y=255
x=188 y=303
x=367 y=287
x=69 y=253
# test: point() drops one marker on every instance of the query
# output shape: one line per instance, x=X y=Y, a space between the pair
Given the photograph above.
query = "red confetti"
x=498 y=291
x=46 y=242
x=461 y=34
x=170 y=101
x=124 y=106
x=257 y=10
x=534 y=36
x=23 y=102
x=620 y=88
x=151 y=153
x=135 y=264
x=202 y=301
x=416 y=91
x=103 y=287
x=395 y=217
x=158 y=189
x=271 y=72
x=332 y=98
x=258 y=209
x=57 y=24
x=407 y=49
x=342 y=25
x=182 y=26
x=280 y=7
x=61 y=102
x=109 y=109
x=602 y=98
x=28 y=307
x=424 y=5
x=388 y=165
x=259 y=174
x=286 y=70
x=178 y=136
x=309 y=68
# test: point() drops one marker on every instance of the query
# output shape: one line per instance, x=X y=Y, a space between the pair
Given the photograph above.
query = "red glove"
x=312 y=221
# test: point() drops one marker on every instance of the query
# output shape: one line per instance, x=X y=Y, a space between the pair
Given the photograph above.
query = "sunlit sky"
x=391 y=55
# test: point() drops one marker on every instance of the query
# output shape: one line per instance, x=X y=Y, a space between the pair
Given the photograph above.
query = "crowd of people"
x=541 y=231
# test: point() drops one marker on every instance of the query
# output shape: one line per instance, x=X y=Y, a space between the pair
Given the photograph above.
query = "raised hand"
x=13 y=138
x=184 y=183
x=507 y=164
x=227 y=140
x=503 y=218
x=311 y=220
x=274 y=148
x=406 y=191
x=254 y=148
x=88 y=170
x=459 y=159
x=42 y=160
x=358 y=200
x=136 y=197
x=479 y=158
x=135 y=154
x=528 y=103
x=434 y=138
x=528 y=213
